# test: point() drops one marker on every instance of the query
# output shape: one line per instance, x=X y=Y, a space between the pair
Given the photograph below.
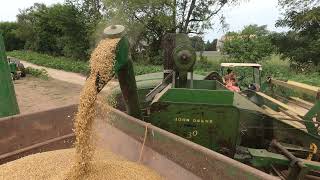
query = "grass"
x=140 y=69
x=39 y=73
x=71 y=65
x=45 y=60
x=273 y=67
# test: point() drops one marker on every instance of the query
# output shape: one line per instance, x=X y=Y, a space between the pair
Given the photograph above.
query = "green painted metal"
x=122 y=56
x=183 y=47
x=159 y=76
x=13 y=68
x=198 y=96
x=184 y=57
x=8 y=100
x=203 y=84
x=264 y=159
x=124 y=70
x=213 y=127
x=243 y=103
x=309 y=117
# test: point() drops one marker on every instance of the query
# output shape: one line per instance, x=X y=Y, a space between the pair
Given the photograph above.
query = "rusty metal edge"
x=38 y=145
x=37 y=112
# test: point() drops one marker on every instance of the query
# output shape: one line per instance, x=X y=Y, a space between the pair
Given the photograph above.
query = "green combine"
x=17 y=69
x=244 y=125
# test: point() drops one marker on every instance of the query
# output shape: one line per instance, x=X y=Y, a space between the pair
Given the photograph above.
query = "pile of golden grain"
x=81 y=163
x=55 y=165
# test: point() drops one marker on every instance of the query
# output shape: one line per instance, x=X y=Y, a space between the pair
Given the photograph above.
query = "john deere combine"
x=249 y=126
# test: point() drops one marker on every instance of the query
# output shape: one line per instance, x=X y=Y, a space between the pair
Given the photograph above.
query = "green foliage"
x=140 y=69
x=252 y=44
x=8 y=31
x=39 y=73
x=57 y=30
x=211 y=46
x=274 y=67
x=300 y=45
x=45 y=60
x=92 y=12
x=71 y=65
x=194 y=16
x=197 y=43
x=148 y=21
x=298 y=5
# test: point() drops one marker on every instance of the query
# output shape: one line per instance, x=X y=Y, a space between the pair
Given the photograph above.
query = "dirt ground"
x=35 y=95
x=62 y=89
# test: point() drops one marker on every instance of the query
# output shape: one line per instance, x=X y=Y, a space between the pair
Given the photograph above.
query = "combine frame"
x=298 y=112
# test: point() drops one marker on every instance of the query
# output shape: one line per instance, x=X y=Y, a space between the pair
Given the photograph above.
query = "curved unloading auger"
x=123 y=68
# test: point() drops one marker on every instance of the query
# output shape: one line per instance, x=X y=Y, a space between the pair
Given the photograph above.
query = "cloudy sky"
x=261 y=12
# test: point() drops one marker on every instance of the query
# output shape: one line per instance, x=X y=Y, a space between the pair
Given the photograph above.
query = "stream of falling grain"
x=101 y=64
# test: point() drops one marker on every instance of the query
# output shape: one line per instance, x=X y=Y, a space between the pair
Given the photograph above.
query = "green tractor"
x=242 y=125
x=17 y=69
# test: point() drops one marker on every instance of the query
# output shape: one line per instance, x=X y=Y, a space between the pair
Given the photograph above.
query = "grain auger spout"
x=123 y=69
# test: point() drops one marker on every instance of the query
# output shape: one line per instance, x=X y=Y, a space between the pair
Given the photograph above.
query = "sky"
x=10 y=8
x=261 y=12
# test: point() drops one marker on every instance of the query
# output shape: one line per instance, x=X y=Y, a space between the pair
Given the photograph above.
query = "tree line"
x=72 y=29
x=300 y=45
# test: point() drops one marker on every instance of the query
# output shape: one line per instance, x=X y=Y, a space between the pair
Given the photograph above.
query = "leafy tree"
x=298 y=5
x=197 y=43
x=301 y=44
x=8 y=30
x=92 y=13
x=194 y=16
x=56 y=30
x=252 y=44
x=148 y=21
x=214 y=44
x=211 y=46
x=92 y=9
